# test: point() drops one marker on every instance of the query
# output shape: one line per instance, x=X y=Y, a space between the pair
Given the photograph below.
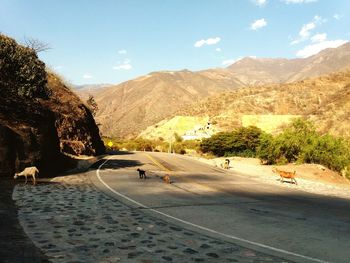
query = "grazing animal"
x=166 y=179
x=28 y=171
x=284 y=174
x=226 y=164
x=142 y=173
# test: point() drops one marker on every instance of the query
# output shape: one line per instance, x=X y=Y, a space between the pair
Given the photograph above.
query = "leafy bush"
x=327 y=150
x=301 y=143
x=267 y=150
x=243 y=141
x=22 y=73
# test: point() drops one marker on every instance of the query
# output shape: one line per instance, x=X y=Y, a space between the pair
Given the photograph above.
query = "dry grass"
x=325 y=100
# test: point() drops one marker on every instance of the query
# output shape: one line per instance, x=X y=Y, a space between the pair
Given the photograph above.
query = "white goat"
x=29 y=171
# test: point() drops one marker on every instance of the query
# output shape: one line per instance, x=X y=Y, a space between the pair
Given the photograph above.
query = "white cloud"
x=298 y=1
x=58 y=67
x=125 y=65
x=87 y=76
x=122 y=52
x=260 y=2
x=209 y=41
x=305 y=31
x=337 y=16
x=126 y=61
x=319 y=38
x=257 y=24
x=218 y=49
x=313 y=49
x=319 y=20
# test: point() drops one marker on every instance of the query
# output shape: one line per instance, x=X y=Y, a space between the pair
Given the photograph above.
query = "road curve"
x=288 y=223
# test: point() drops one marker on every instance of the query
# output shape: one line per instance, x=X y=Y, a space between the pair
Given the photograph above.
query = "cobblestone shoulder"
x=71 y=221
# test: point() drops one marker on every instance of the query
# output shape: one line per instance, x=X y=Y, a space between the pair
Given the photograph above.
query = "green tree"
x=327 y=150
x=267 y=150
x=242 y=141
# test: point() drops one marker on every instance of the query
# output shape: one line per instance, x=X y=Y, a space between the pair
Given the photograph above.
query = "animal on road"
x=166 y=179
x=285 y=174
x=28 y=171
x=142 y=173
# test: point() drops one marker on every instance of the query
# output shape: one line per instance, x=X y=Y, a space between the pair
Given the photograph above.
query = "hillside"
x=128 y=108
x=259 y=71
x=84 y=91
x=75 y=125
x=324 y=100
x=167 y=128
x=41 y=120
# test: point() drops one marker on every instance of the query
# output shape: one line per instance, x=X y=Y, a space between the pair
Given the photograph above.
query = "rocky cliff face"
x=76 y=127
x=28 y=137
x=40 y=118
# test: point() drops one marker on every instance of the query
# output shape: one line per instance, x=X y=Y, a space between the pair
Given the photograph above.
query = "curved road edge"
x=98 y=181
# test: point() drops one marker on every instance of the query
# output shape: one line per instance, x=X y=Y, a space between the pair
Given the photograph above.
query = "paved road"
x=288 y=223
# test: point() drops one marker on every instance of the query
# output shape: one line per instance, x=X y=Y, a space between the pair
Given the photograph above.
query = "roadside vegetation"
x=177 y=145
x=22 y=73
x=298 y=143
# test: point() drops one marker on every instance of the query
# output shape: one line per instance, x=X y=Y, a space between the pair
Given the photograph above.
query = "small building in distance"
x=199 y=132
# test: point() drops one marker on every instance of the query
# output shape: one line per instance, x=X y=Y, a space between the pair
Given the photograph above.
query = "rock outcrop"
x=41 y=120
x=76 y=127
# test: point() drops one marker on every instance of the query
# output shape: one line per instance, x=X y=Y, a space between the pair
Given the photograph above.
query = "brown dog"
x=284 y=174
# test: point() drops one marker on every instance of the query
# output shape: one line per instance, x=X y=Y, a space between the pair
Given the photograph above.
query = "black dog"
x=142 y=173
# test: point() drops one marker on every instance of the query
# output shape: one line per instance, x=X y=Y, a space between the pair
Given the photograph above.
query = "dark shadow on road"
x=119 y=153
x=115 y=164
x=14 y=243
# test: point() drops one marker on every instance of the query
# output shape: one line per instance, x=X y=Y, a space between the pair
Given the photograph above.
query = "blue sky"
x=110 y=41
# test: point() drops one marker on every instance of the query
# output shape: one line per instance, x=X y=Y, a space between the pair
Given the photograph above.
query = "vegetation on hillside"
x=177 y=145
x=92 y=105
x=240 y=142
x=299 y=142
x=22 y=73
x=41 y=119
x=324 y=100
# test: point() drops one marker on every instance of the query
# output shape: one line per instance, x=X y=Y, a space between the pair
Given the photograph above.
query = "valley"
x=315 y=87
x=175 y=131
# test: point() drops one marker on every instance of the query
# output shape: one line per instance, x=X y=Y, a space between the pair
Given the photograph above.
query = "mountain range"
x=130 y=107
x=253 y=71
x=325 y=100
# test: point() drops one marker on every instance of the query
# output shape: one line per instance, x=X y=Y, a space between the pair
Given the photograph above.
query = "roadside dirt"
x=311 y=178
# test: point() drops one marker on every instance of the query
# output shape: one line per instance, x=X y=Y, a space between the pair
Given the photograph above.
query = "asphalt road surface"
x=291 y=224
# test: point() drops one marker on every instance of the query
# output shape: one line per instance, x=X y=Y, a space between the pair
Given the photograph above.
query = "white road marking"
x=201 y=227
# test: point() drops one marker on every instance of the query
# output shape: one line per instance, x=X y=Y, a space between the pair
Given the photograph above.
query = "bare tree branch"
x=36 y=44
